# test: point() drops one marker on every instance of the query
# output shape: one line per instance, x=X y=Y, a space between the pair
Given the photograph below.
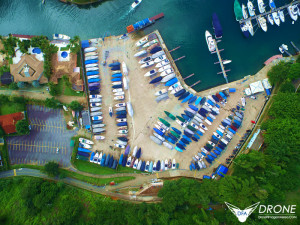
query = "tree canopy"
x=76 y=106
x=278 y=73
x=22 y=127
x=51 y=168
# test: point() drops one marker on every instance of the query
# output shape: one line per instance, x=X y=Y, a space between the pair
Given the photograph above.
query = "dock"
x=295 y=47
x=189 y=76
x=194 y=84
x=221 y=62
x=268 y=12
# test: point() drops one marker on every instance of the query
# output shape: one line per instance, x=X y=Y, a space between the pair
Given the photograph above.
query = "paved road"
x=104 y=190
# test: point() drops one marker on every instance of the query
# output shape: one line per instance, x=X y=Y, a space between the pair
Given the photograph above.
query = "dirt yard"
x=147 y=111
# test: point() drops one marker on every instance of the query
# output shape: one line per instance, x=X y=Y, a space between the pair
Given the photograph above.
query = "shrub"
x=21 y=84
x=22 y=127
x=35 y=83
x=13 y=86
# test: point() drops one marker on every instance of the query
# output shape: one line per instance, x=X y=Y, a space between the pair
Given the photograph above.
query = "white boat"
x=162 y=167
x=139 y=165
x=91 y=65
x=121 y=120
x=160 y=58
x=116 y=71
x=90 y=54
x=128 y=161
x=229 y=61
x=163 y=63
x=97 y=117
x=161 y=69
x=283 y=47
x=144 y=60
x=120 y=108
x=150 y=43
x=276 y=18
x=167 y=78
x=95 y=96
x=120 y=146
x=90 y=49
x=163 y=126
x=136 y=162
x=140 y=53
x=150 y=73
x=123 y=131
x=147 y=166
x=175 y=90
x=121 y=97
x=93 y=100
x=281 y=16
x=142 y=41
x=157 y=54
x=147 y=64
x=95 y=104
x=251 y=8
x=210 y=41
x=61 y=37
x=244 y=10
x=93 y=76
x=92 y=69
x=169 y=146
x=174 y=86
x=98 y=125
x=134 y=151
x=91 y=57
x=159 y=137
x=166 y=72
x=261 y=6
x=85 y=141
x=118 y=90
x=117 y=83
x=270 y=19
x=119 y=93
x=135 y=4
x=129 y=109
x=293 y=11
x=250 y=29
x=173 y=164
x=121 y=104
x=99 y=137
x=124 y=68
x=160 y=128
x=125 y=83
x=263 y=23
x=161 y=92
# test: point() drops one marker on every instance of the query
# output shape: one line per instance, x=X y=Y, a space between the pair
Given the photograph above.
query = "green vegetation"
x=13 y=86
x=22 y=127
x=51 y=169
x=4 y=69
x=76 y=106
x=5 y=157
x=9 y=44
x=11 y=104
x=52 y=103
x=65 y=87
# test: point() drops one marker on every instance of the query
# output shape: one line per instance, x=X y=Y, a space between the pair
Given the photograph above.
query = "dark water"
x=184 y=25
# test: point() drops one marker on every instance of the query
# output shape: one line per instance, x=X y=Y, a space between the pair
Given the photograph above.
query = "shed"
x=256 y=87
x=222 y=170
x=7 y=78
x=85 y=44
x=267 y=85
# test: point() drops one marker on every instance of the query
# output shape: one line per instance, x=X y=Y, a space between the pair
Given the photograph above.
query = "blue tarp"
x=85 y=44
x=222 y=170
x=92 y=73
x=206 y=177
x=217 y=26
x=268 y=91
x=90 y=61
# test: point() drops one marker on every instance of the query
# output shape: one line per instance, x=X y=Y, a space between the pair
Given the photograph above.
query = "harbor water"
x=184 y=25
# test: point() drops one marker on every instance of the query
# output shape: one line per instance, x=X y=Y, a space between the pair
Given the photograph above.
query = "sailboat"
x=272 y=4
x=263 y=23
x=244 y=10
x=250 y=27
x=210 y=41
x=238 y=10
x=251 y=8
x=276 y=18
x=261 y=6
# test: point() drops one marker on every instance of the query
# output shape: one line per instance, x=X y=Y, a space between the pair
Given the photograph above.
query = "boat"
x=166 y=72
x=251 y=8
x=244 y=10
x=272 y=4
x=123 y=131
x=121 y=97
x=117 y=75
x=160 y=58
x=128 y=161
x=210 y=41
x=281 y=16
x=156 y=140
x=140 y=53
x=261 y=6
x=251 y=31
x=119 y=146
x=167 y=78
x=276 y=18
x=159 y=136
x=170 y=115
x=91 y=65
x=169 y=146
x=150 y=43
x=99 y=137
x=263 y=23
x=161 y=69
x=176 y=90
x=155 y=80
x=61 y=37
x=187 y=98
x=90 y=54
x=244 y=29
x=293 y=12
x=163 y=63
x=86 y=141
x=164 y=122
x=150 y=73
x=162 y=168
x=124 y=69
x=118 y=90
x=91 y=57
x=238 y=10
x=129 y=109
x=141 y=42
x=117 y=79
x=119 y=93
x=160 y=92
x=162 y=125
x=98 y=125
x=174 y=86
x=90 y=49
x=298 y=6
x=116 y=83
x=135 y=4
x=229 y=61
x=114 y=64
x=147 y=64
x=157 y=54
x=136 y=162
x=139 y=153
x=144 y=60
x=270 y=19
x=152 y=47
x=217 y=26
x=283 y=48
x=172 y=81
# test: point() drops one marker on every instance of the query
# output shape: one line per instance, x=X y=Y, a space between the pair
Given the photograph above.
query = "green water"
x=184 y=25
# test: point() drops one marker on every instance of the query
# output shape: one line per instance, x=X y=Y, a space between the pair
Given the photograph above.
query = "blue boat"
x=194 y=108
x=221 y=146
x=219 y=133
x=156 y=80
x=187 y=98
x=210 y=157
x=115 y=68
x=103 y=159
x=203 y=100
x=192 y=99
x=197 y=102
x=176 y=130
x=184 y=95
x=184 y=116
x=214 y=137
x=215 y=98
x=210 y=119
x=183 y=144
x=151 y=167
x=123 y=112
x=89 y=73
x=122 y=116
x=208 y=160
x=107 y=160
x=85 y=154
x=172 y=137
x=213 y=155
x=193 y=165
x=219 y=149
x=84 y=150
x=117 y=75
x=191 y=168
x=222 y=95
x=158 y=131
x=196 y=136
x=217 y=152
x=179 y=93
x=170 y=140
x=189 y=114
x=155 y=49
x=187 y=134
x=194 y=139
x=231 y=130
x=121 y=159
x=111 y=161
x=124 y=160
x=171 y=82
x=217 y=26
x=115 y=164
x=116 y=79
x=178 y=149
x=122 y=124
x=117 y=86
x=180 y=146
x=185 y=137
x=93 y=80
x=158 y=166
x=114 y=64
x=210 y=102
x=139 y=153
x=202 y=153
x=185 y=141
x=143 y=166
x=90 y=61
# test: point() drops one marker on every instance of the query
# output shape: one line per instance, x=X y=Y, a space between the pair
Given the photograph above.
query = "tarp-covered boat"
x=217 y=26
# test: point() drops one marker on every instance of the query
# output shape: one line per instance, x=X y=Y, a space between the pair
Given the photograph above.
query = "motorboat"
x=95 y=96
x=270 y=19
x=118 y=90
x=166 y=72
x=61 y=37
x=276 y=18
x=293 y=12
x=90 y=54
x=272 y=4
x=95 y=104
x=160 y=92
x=121 y=97
x=229 y=61
x=160 y=58
x=135 y=4
x=121 y=104
x=245 y=30
x=261 y=6
x=147 y=64
x=150 y=73
x=161 y=69
x=141 y=42
x=283 y=48
x=150 y=43
x=250 y=29
x=281 y=16
x=90 y=49
x=140 y=53
x=119 y=93
x=210 y=41
x=251 y=8
x=124 y=68
x=157 y=54
x=163 y=63
x=85 y=141
x=144 y=60
x=244 y=10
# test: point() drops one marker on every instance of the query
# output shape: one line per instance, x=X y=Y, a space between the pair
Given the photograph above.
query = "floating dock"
x=144 y=23
x=221 y=62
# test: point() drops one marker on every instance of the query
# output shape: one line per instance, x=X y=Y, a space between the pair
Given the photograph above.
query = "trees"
x=35 y=83
x=287 y=87
x=52 y=103
x=51 y=168
x=53 y=89
x=278 y=73
x=2 y=133
x=21 y=84
x=294 y=72
x=13 y=86
x=76 y=106
x=74 y=44
x=22 y=127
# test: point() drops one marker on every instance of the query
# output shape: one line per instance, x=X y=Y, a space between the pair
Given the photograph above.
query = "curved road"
x=104 y=190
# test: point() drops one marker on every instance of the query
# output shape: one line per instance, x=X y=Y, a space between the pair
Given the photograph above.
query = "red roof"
x=8 y=122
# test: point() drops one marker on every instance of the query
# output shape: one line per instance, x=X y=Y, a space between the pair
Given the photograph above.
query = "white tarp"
x=248 y=91
x=256 y=87
x=266 y=83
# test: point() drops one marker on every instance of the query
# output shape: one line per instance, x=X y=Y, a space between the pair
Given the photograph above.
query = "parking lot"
x=49 y=140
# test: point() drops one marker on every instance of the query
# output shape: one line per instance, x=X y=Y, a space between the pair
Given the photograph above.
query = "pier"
x=189 y=76
x=182 y=57
x=221 y=62
x=268 y=12
x=175 y=49
x=295 y=47
x=194 y=84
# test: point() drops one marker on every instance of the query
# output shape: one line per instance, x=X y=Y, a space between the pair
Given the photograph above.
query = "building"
x=8 y=122
x=28 y=69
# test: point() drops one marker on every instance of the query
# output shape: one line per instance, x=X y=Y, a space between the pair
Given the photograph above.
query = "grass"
x=9 y=108
x=64 y=88
x=4 y=158
x=64 y=48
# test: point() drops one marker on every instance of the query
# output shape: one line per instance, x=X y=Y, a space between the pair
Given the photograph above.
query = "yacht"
x=263 y=23
x=282 y=48
x=276 y=18
x=293 y=11
x=244 y=29
x=251 y=8
x=270 y=19
x=244 y=10
x=61 y=37
x=272 y=4
x=250 y=27
x=135 y=4
x=210 y=41
x=281 y=15
x=261 y=6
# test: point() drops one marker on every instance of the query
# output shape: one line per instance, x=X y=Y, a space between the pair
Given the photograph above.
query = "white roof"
x=256 y=87
x=266 y=83
x=248 y=91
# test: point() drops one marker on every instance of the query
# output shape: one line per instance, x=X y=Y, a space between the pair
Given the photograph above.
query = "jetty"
x=295 y=47
x=182 y=57
x=269 y=12
x=175 y=49
x=189 y=76
x=221 y=62
x=194 y=84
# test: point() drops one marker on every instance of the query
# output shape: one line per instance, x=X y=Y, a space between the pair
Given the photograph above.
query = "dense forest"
x=270 y=176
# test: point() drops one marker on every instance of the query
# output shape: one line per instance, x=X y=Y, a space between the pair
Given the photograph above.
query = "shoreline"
x=78 y=3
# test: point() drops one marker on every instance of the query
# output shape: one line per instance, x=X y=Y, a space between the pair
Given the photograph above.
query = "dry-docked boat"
x=144 y=60
x=150 y=73
x=121 y=104
x=150 y=43
x=166 y=72
x=90 y=49
x=118 y=90
x=142 y=41
x=157 y=54
x=175 y=90
x=119 y=93
x=161 y=69
x=90 y=54
x=140 y=53
x=91 y=65
x=163 y=63
x=124 y=68
x=167 y=78
x=119 y=97
x=160 y=92
x=147 y=64
x=160 y=58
